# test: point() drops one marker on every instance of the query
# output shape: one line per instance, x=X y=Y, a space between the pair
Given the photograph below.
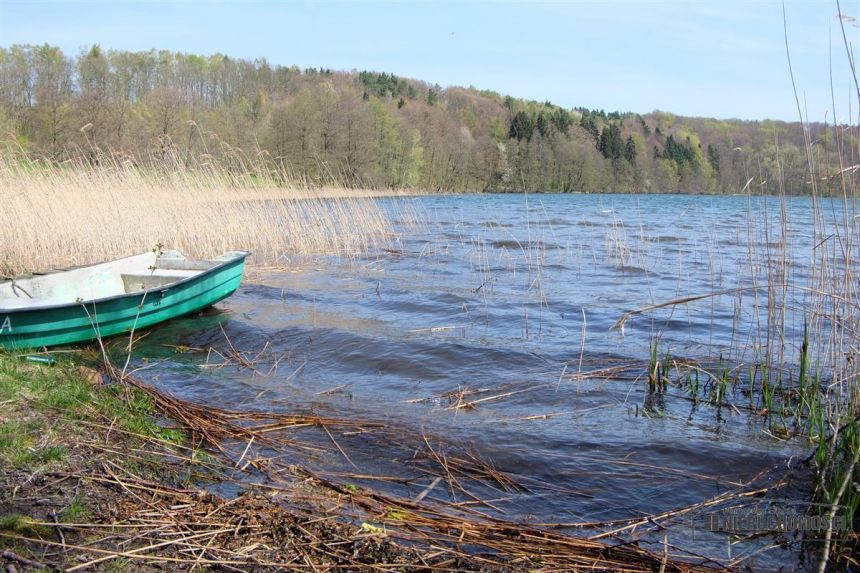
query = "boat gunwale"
x=240 y=255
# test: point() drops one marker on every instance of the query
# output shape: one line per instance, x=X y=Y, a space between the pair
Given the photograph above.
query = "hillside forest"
x=378 y=130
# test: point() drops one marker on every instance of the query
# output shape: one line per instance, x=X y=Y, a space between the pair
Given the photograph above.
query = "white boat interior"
x=115 y=278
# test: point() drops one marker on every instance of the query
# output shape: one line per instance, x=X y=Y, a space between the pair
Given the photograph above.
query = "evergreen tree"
x=616 y=145
x=610 y=144
x=603 y=142
x=673 y=150
x=522 y=127
x=645 y=128
x=588 y=124
x=680 y=154
x=714 y=158
x=561 y=120
x=630 y=150
x=542 y=125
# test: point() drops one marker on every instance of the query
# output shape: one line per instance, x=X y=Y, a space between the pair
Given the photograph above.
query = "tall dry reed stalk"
x=92 y=209
x=796 y=340
x=829 y=377
x=806 y=300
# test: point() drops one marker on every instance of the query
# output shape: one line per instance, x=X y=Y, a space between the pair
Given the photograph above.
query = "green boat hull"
x=88 y=320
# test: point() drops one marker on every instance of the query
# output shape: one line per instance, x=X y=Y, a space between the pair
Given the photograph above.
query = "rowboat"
x=112 y=298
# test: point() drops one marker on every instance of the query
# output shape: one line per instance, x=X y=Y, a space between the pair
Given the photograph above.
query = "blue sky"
x=706 y=58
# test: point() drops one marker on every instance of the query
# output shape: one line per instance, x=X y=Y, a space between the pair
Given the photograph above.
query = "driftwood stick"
x=12 y=556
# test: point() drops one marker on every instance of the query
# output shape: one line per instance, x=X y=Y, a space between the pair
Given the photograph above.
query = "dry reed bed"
x=79 y=213
x=254 y=440
x=147 y=525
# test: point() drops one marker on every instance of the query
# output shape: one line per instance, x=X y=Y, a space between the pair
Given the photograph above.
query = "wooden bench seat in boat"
x=155 y=279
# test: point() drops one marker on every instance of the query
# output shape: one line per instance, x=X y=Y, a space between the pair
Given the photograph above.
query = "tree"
x=93 y=102
x=53 y=89
x=522 y=127
x=387 y=145
x=542 y=125
x=714 y=158
x=295 y=134
x=374 y=129
x=328 y=102
x=164 y=115
x=610 y=144
x=561 y=120
x=630 y=150
x=588 y=123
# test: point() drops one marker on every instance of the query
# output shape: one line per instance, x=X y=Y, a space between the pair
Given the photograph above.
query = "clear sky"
x=706 y=58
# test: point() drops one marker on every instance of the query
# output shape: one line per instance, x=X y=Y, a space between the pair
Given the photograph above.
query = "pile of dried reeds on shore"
x=440 y=537
x=182 y=529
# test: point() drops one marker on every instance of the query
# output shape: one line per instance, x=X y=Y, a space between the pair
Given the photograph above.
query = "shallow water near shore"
x=485 y=333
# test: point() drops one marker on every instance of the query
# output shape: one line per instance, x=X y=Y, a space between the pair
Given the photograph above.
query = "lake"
x=485 y=331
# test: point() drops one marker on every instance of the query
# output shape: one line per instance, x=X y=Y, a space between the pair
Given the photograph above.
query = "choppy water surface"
x=507 y=300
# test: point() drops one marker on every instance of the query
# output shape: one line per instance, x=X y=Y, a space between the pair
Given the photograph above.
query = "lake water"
x=508 y=301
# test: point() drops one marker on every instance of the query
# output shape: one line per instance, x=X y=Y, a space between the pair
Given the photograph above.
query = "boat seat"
x=184 y=265
x=154 y=280
x=184 y=273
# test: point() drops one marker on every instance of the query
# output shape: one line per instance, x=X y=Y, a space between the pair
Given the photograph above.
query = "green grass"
x=118 y=565
x=40 y=405
x=20 y=444
x=22 y=525
x=134 y=412
x=44 y=386
x=76 y=512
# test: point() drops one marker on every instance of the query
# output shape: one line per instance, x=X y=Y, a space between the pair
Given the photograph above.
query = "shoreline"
x=95 y=476
x=92 y=477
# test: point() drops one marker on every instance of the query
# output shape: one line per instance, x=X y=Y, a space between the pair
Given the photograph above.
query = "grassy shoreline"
x=88 y=468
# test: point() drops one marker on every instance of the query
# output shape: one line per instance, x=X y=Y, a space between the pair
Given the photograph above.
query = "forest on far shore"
x=378 y=130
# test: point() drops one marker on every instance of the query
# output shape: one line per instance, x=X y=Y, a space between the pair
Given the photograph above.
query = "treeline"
x=379 y=130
